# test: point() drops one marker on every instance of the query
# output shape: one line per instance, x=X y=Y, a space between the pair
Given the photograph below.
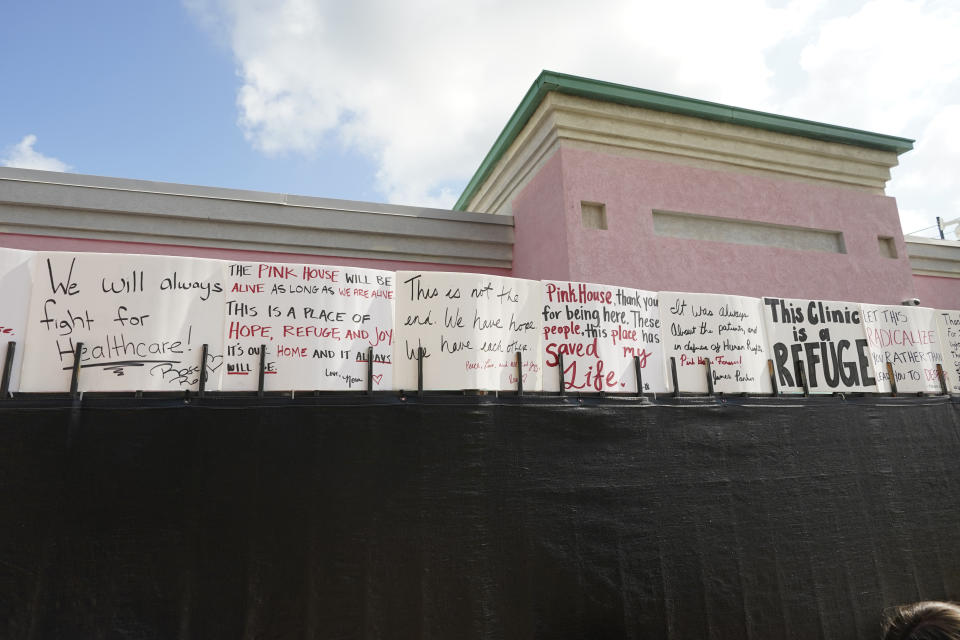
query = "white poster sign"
x=907 y=338
x=948 y=327
x=317 y=323
x=16 y=283
x=826 y=337
x=471 y=328
x=598 y=330
x=142 y=321
x=726 y=331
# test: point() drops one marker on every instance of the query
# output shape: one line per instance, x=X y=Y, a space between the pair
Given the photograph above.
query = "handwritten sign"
x=907 y=338
x=598 y=330
x=826 y=337
x=726 y=331
x=142 y=321
x=470 y=328
x=948 y=326
x=316 y=322
x=16 y=282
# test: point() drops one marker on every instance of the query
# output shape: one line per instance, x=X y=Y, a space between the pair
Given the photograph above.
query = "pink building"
x=618 y=185
x=589 y=181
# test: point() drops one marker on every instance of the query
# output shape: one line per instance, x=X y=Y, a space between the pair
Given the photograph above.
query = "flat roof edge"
x=633 y=96
x=87 y=181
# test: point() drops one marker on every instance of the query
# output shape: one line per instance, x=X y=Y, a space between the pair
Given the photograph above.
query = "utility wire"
x=933 y=226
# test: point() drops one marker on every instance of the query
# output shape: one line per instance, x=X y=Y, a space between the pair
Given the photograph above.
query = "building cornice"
x=564 y=121
x=616 y=94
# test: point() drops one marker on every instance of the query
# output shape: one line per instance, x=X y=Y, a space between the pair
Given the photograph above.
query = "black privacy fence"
x=476 y=517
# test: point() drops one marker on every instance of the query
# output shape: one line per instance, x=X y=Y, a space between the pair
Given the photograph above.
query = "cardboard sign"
x=724 y=331
x=907 y=338
x=16 y=282
x=948 y=326
x=316 y=322
x=598 y=330
x=470 y=328
x=826 y=337
x=142 y=321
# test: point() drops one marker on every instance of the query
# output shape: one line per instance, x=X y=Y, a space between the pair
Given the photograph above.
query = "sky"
x=399 y=102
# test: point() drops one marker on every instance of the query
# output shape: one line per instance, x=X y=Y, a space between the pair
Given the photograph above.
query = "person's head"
x=923 y=621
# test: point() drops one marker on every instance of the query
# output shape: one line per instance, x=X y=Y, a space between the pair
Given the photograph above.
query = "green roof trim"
x=632 y=96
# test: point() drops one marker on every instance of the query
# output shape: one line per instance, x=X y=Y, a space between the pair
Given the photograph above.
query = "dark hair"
x=923 y=621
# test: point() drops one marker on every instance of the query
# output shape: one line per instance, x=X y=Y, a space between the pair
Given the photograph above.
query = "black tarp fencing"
x=475 y=518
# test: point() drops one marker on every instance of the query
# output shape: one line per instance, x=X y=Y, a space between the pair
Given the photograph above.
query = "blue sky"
x=398 y=102
x=142 y=90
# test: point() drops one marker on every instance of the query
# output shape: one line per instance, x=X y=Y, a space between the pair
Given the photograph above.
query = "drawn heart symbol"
x=378 y=378
x=214 y=362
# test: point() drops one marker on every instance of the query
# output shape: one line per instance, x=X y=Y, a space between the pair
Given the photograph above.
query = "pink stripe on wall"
x=936 y=292
x=54 y=243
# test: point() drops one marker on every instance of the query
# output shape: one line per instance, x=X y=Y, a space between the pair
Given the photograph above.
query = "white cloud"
x=885 y=67
x=893 y=66
x=22 y=155
x=424 y=87
x=926 y=185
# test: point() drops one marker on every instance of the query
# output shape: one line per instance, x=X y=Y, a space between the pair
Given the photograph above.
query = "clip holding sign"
x=563 y=383
x=941 y=376
x=75 y=373
x=369 y=370
x=263 y=364
x=420 y=352
x=673 y=374
x=802 y=377
x=709 y=379
x=639 y=373
x=7 y=369
x=893 y=380
x=202 y=382
x=519 y=374
x=773 y=377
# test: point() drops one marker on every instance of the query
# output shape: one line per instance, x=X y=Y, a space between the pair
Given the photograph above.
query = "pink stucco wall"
x=628 y=252
x=51 y=243
x=940 y=293
x=540 y=244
